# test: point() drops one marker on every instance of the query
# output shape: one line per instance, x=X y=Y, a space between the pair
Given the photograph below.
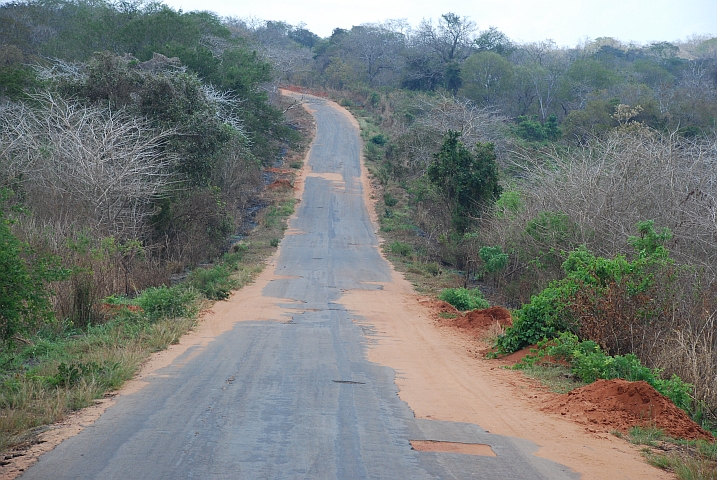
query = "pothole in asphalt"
x=453 y=447
x=349 y=382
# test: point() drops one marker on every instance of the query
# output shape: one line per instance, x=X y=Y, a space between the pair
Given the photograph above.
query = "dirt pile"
x=282 y=183
x=482 y=319
x=619 y=405
x=438 y=306
x=476 y=322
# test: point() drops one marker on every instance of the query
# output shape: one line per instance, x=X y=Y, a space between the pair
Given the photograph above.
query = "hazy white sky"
x=565 y=21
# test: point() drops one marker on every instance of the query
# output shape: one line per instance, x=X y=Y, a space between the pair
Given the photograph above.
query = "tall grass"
x=46 y=380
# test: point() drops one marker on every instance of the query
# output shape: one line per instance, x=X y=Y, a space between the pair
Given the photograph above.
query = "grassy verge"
x=406 y=247
x=47 y=376
x=53 y=374
x=557 y=378
x=687 y=459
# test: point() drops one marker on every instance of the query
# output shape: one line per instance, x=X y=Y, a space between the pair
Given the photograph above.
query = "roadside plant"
x=167 y=302
x=615 y=302
x=468 y=179
x=464 y=299
x=589 y=363
x=24 y=281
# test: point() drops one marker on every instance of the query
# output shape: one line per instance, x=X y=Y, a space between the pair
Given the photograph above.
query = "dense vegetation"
x=133 y=139
x=575 y=185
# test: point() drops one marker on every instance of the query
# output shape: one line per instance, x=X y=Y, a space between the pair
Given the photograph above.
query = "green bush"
x=570 y=304
x=379 y=139
x=534 y=131
x=389 y=200
x=508 y=204
x=400 y=248
x=432 y=268
x=590 y=363
x=545 y=316
x=24 y=276
x=214 y=283
x=493 y=258
x=167 y=302
x=468 y=179
x=373 y=152
x=464 y=299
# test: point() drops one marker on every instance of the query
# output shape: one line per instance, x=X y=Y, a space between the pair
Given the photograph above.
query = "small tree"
x=468 y=179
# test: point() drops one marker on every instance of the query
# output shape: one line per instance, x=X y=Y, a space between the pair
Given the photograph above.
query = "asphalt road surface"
x=294 y=397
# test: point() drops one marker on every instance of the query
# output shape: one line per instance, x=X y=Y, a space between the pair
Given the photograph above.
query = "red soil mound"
x=438 y=306
x=281 y=184
x=482 y=319
x=619 y=405
x=517 y=356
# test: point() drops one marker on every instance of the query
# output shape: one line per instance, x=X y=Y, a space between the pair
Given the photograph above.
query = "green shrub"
x=493 y=258
x=214 y=283
x=552 y=228
x=432 y=268
x=578 y=302
x=24 y=276
x=508 y=204
x=389 y=200
x=464 y=299
x=466 y=178
x=231 y=259
x=373 y=152
x=400 y=248
x=590 y=363
x=545 y=316
x=379 y=139
x=167 y=302
x=534 y=131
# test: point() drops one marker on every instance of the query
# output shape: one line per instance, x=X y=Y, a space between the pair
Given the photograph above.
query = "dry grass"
x=688 y=460
x=493 y=332
x=557 y=378
x=105 y=357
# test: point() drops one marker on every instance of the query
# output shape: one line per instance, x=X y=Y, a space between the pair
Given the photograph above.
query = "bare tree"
x=631 y=175
x=545 y=66
x=375 y=49
x=436 y=115
x=452 y=38
x=102 y=168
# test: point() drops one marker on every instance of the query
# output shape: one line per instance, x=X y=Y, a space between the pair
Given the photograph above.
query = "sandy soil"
x=441 y=377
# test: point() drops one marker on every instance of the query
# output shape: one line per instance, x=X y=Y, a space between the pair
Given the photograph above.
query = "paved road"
x=294 y=397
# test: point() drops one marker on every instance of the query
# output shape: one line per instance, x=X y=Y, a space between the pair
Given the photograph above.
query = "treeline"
x=536 y=85
x=132 y=142
x=575 y=185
